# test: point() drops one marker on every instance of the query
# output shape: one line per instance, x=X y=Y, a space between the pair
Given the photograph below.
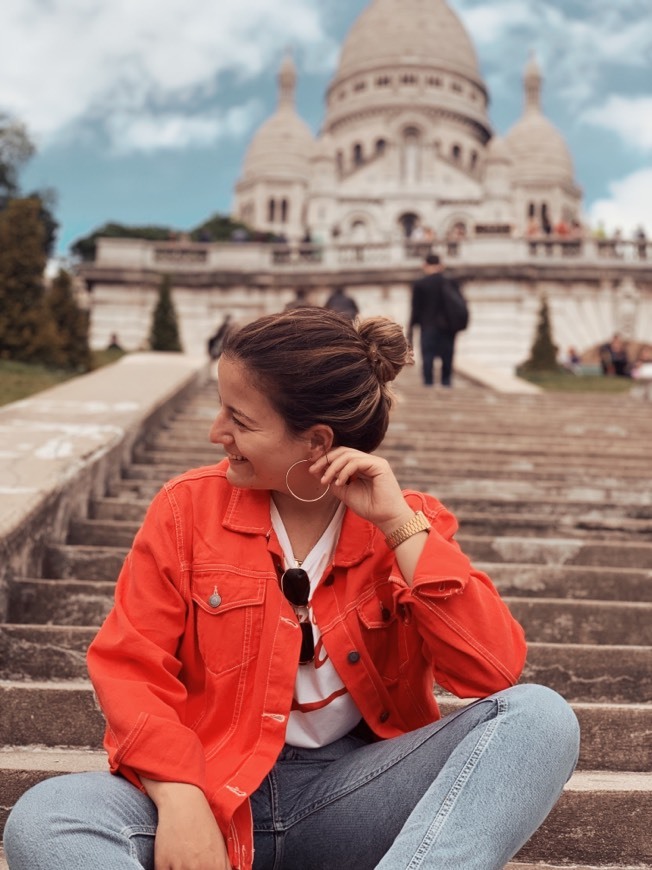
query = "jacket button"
x=354 y=657
x=216 y=599
x=384 y=716
x=329 y=580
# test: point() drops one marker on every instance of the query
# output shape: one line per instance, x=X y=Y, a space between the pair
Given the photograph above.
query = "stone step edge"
x=449 y=702
x=45 y=759
x=5 y=866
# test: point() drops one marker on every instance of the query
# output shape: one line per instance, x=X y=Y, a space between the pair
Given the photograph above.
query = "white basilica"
x=406 y=146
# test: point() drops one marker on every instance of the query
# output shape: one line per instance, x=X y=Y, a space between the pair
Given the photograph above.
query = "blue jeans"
x=435 y=343
x=466 y=792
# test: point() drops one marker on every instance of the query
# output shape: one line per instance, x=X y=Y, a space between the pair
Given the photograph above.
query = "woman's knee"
x=547 y=713
x=29 y=821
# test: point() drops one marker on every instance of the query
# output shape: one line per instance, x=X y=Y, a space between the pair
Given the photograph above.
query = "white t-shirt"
x=322 y=709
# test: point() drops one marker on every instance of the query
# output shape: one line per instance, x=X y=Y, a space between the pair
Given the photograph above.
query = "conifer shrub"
x=543 y=354
x=164 y=331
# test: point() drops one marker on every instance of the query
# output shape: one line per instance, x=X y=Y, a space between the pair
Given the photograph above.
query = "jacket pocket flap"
x=218 y=592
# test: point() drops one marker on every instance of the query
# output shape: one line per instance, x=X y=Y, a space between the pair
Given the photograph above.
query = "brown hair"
x=316 y=366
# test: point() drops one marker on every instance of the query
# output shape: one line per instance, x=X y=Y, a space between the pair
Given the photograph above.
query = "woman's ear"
x=321 y=439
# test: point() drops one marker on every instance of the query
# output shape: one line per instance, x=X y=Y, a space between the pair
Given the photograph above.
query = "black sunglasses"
x=295 y=585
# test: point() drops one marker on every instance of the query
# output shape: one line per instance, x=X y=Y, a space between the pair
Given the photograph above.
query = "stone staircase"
x=554 y=501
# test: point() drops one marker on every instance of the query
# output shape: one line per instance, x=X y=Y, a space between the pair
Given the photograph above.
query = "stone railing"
x=62 y=447
x=401 y=253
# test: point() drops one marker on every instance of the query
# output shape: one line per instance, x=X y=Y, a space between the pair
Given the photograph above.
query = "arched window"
x=358 y=157
x=408 y=222
x=285 y=211
x=359 y=232
x=456 y=153
x=381 y=145
x=411 y=164
x=474 y=160
x=339 y=162
x=271 y=211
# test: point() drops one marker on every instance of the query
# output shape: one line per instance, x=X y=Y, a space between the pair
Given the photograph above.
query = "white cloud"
x=578 y=44
x=628 y=117
x=629 y=204
x=65 y=61
x=142 y=131
x=491 y=22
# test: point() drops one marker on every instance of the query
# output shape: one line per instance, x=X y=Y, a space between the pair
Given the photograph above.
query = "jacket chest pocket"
x=229 y=618
x=382 y=632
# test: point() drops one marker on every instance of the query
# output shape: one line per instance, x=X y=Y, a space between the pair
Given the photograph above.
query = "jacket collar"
x=248 y=513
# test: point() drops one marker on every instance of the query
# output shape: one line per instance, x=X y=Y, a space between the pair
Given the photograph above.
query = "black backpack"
x=456 y=311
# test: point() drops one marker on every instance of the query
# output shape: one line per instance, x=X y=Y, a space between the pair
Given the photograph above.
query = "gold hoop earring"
x=298 y=497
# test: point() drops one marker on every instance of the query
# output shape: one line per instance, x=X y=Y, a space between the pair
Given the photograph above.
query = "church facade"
x=406 y=161
x=406 y=147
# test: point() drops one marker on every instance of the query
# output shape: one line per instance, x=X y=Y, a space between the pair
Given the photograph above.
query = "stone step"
x=59 y=602
x=601 y=817
x=564 y=525
x=559 y=551
x=406 y=461
x=580 y=672
x=465 y=508
x=44 y=652
x=60 y=713
x=431 y=456
x=102 y=533
x=583 y=672
x=448 y=486
x=91 y=563
x=74 y=602
x=487 y=548
x=589 y=509
x=564 y=621
x=51 y=713
x=570 y=581
x=424 y=436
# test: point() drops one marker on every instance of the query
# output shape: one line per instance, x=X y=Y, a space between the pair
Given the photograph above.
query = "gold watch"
x=418 y=523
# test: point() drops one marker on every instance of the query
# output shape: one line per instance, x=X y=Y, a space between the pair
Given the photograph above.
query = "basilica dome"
x=283 y=145
x=407 y=56
x=422 y=32
x=538 y=149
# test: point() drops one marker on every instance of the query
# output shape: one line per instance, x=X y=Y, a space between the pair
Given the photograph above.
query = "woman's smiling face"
x=254 y=436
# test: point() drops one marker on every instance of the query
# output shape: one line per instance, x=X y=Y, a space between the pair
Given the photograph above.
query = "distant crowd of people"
x=615 y=360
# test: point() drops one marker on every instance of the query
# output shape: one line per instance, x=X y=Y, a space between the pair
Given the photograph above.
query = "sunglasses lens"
x=307 y=644
x=296 y=586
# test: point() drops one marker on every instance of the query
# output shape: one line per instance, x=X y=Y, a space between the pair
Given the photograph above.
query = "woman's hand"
x=187 y=836
x=366 y=484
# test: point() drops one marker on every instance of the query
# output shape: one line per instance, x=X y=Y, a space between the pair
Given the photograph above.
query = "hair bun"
x=387 y=348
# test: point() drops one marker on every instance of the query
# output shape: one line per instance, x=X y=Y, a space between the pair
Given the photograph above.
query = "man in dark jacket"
x=428 y=313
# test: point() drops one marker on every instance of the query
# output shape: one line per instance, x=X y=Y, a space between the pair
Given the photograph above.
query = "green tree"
x=71 y=322
x=86 y=247
x=219 y=228
x=164 y=332
x=15 y=149
x=543 y=355
x=27 y=331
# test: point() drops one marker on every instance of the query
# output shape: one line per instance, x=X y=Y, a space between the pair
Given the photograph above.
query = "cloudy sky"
x=141 y=109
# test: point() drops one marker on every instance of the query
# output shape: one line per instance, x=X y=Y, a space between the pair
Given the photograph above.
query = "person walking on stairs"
x=439 y=310
x=267 y=670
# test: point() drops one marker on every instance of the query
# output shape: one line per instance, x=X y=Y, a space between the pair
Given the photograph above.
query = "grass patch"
x=564 y=382
x=20 y=380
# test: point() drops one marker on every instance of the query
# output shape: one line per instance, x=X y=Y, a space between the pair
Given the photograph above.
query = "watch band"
x=418 y=523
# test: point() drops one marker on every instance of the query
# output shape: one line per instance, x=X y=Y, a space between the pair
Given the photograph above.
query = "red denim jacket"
x=198 y=693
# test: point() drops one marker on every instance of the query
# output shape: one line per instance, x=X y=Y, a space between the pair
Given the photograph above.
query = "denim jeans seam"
x=440 y=819
x=331 y=798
